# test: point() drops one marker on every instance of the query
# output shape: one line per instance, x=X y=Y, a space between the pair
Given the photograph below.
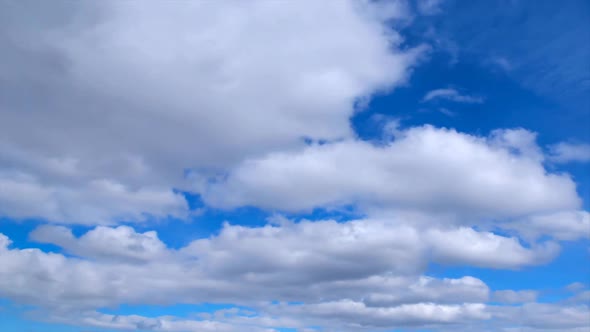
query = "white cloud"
x=424 y=168
x=99 y=201
x=485 y=249
x=569 y=152
x=544 y=317
x=518 y=141
x=563 y=225
x=364 y=271
x=107 y=106
x=121 y=242
x=215 y=82
x=334 y=260
x=452 y=95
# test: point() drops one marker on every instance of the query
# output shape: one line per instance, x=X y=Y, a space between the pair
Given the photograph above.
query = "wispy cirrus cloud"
x=451 y=95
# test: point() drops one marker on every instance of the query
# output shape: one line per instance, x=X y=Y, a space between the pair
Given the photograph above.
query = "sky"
x=294 y=166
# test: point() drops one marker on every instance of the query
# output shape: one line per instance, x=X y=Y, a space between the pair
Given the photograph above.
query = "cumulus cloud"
x=121 y=242
x=486 y=249
x=451 y=95
x=569 y=152
x=424 y=168
x=562 y=225
x=214 y=83
x=99 y=201
x=128 y=105
x=366 y=261
x=545 y=317
x=361 y=274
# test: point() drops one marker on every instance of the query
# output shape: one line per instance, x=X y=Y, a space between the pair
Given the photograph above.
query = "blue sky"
x=295 y=166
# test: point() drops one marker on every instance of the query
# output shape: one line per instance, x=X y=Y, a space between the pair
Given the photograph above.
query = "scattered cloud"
x=363 y=273
x=447 y=112
x=502 y=62
x=429 y=7
x=118 y=243
x=451 y=95
x=563 y=225
x=563 y=152
x=425 y=168
x=113 y=113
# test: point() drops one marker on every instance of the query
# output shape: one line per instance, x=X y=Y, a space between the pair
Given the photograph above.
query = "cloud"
x=487 y=249
x=502 y=63
x=423 y=168
x=563 y=225
x=358 y=314
x=545 y=317
x=214 y=83
x=510 y=296
x=452 y=95
x=563 y=152
x=117 y=243
x=428 y=289
x=447 y=112
x=575 y=287
x=429 y=7
x=360 y=274
x=160 y=324
x=375 y=262
x=111 y=109
x=99 y=201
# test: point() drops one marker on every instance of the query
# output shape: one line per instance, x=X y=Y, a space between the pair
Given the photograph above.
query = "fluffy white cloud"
x=362 y=257
x=563 y=225
x=545 y=317
x=104 y=242
x=423 y=168
x=466 y=246
x=426 y=289
x=363 y=274
x=131 y=95
x=569 y=152
x=124 y=104
x=99 y=201
x=452 y=95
